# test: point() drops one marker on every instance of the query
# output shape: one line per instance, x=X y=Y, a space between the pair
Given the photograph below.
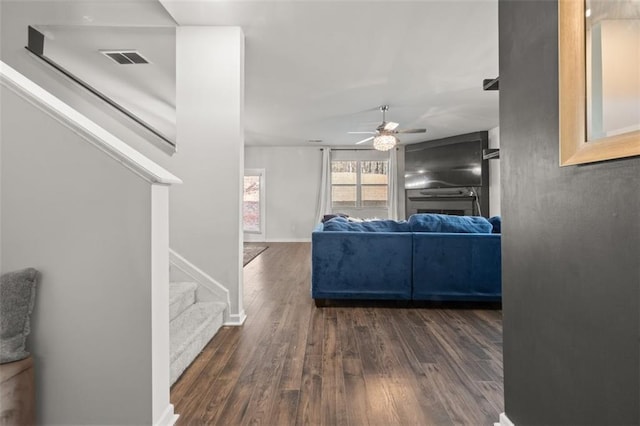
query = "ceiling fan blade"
x=361 y=133
x=365 y=140
x=390 y=125
x=411 y=131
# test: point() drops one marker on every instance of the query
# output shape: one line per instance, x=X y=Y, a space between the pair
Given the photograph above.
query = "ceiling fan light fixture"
x=385 y=138
x=384 y=142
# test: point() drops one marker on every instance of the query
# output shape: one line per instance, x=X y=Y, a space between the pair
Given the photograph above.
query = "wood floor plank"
x=309 y=404
x=454 y=401
x=347 y=340
x=493 y=392
x=333 y=387
x=413 y=403
x=294 y=358
x=286 y=407
x=458 y=369
x=377 y=377
x=493 y=369
x=202 y=396
x=458 y=353
x=294 y=364
x=409 y=354
x=358 y=412
x=295 y=328
x=265 y=386
x=182 y=387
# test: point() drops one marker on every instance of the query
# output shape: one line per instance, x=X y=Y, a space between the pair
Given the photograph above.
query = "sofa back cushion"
x=345 y=225
x=427 y=222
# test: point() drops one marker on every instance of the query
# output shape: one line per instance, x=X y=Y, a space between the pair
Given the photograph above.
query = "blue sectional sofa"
x=429 y=257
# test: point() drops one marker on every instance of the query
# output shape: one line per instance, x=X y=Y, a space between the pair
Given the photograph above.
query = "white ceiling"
x=318 y=69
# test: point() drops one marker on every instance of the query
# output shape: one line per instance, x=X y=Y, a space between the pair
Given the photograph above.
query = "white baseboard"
x=288 y=240
x=504 y=421
x=168 y=418
x=253 y=238
x=235 y=320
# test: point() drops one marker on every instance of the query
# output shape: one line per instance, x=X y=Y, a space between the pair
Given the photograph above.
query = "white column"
x=206 y=225
x=162 y=409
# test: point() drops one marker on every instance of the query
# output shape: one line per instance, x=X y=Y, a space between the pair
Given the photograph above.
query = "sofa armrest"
x=361 y=265
x=451 y=267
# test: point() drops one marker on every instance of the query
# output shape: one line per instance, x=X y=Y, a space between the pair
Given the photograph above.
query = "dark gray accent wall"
x=570 y=248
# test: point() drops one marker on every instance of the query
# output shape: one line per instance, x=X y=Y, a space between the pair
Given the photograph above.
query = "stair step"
x=181 y=296
x=191 y=331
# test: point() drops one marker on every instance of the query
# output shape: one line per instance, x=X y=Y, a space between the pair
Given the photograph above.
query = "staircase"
x=192 y=324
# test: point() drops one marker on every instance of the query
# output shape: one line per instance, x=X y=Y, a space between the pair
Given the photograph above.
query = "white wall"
x=292 y=185
x=494 y=174
x=85 y=222
x=206 y=226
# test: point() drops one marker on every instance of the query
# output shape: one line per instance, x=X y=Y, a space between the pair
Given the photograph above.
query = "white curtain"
x=324 y=195
x=393 y=184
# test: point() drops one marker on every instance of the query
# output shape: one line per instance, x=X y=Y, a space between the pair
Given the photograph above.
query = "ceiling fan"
x=384 y=137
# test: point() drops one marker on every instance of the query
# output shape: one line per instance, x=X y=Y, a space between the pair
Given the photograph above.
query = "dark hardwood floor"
x=293 y=364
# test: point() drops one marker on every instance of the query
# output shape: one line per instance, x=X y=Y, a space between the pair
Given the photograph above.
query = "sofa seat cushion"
x=345 y=225
x=427 y=222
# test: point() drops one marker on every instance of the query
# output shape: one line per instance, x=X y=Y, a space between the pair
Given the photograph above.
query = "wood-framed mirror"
x=599 y=118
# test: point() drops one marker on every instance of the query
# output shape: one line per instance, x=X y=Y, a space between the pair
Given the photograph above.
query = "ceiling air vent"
x=125 y=57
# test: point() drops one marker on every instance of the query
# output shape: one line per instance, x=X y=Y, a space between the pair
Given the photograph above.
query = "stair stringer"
x=209 y=290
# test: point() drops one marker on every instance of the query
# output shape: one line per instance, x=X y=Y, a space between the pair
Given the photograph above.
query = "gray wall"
x=84 y=222
x=571 y=248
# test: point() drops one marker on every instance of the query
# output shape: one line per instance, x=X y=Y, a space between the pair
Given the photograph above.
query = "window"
x=253 y=202
x=358 y=183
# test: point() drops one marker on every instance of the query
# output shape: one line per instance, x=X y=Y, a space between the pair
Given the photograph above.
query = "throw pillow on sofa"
x=327 y=217
x=427 y=222
x=496 y=222
x=17 y=297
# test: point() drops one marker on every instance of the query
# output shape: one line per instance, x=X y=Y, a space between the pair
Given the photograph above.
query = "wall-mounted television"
x=446 y=163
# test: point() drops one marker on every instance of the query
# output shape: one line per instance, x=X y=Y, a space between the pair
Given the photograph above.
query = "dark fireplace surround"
x=463 y=201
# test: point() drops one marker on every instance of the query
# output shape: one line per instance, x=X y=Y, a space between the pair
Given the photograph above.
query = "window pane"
x=343 y=196
x=374 y=195
x=344 y=172
x=374 y=172
x=251 y=204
